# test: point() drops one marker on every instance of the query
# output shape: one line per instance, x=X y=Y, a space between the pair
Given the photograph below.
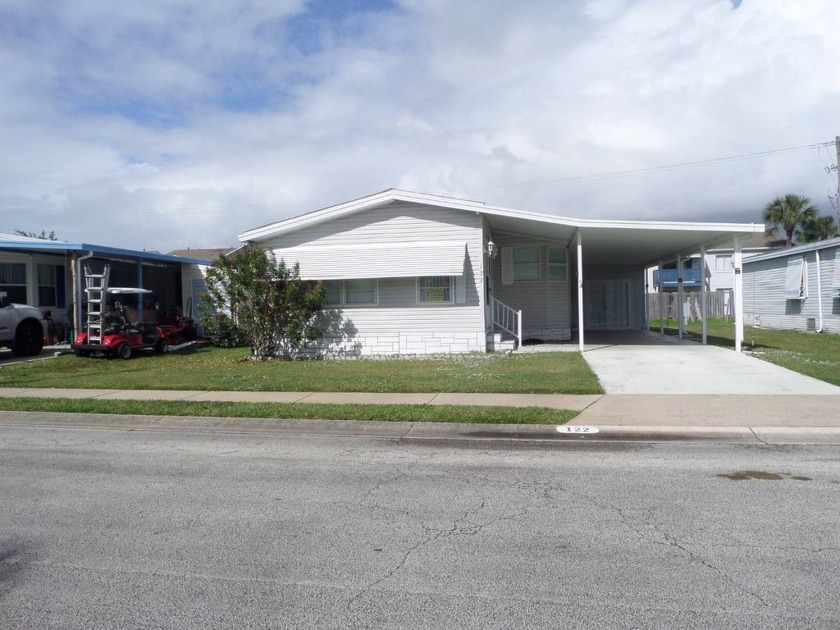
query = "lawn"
x=816 y=355
x=217 y=369
x=299 y=411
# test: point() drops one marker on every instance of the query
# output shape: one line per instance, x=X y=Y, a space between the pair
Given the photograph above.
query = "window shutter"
x=507 y=265
x=460 y=290
x=793 y=279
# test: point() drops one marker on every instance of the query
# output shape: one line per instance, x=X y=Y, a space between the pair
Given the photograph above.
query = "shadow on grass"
x=717 y=340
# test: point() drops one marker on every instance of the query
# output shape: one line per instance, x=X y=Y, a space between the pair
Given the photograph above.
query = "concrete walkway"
x=632 y=411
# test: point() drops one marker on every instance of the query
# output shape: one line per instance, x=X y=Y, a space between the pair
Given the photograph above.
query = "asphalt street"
x=178 y=529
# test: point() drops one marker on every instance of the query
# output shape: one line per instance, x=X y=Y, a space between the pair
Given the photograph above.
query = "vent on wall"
x=811 y=324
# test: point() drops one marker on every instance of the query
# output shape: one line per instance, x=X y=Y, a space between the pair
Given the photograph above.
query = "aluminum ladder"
x=96 y=288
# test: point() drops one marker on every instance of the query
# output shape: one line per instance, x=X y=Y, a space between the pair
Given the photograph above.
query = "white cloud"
x=210 y=119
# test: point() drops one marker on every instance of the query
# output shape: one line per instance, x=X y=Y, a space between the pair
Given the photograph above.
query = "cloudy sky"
x=165 y=124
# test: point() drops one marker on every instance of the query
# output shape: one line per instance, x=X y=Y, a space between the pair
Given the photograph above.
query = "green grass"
x=217 y=369
x=816 y=355
x=306 y=411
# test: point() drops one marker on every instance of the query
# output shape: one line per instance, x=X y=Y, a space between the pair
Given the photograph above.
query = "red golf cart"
x=124 y=327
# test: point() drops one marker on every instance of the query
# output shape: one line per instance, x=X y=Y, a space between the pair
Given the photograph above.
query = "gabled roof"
x=211 y=253
x=15 y=243
x=649 y=240
x=760 y=242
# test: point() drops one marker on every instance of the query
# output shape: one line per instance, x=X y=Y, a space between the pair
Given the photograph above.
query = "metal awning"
x=378 y=260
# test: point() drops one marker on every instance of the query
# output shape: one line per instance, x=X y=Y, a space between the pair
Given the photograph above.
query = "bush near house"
x=265 y=301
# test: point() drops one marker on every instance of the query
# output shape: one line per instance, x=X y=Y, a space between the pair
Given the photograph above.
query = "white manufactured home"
x=412 y=273
x=796 y=288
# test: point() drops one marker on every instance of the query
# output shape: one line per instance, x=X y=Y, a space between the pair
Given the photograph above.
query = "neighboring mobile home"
x=50 y=274
x=796 y=288
x=412 y=273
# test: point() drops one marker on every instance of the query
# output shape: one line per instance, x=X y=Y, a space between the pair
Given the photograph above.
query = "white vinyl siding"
x=796 y=281
x=545 y=305
x=765 y=301
x=410 y=241
x=835 y=282
x=507 y=265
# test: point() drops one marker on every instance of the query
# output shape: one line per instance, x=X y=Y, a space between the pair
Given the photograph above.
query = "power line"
x=313 y=204
x=644 y=171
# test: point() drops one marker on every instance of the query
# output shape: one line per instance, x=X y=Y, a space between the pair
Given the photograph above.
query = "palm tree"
x=818 y=229
x=789 y=212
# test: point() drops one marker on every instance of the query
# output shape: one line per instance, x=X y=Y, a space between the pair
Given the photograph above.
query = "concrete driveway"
x=646 y=363
x=7 y=358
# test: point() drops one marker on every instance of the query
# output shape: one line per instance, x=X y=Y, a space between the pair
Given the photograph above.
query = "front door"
x=607 y=304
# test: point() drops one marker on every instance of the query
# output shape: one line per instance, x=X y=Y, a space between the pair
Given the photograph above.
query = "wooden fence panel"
x=719 y=304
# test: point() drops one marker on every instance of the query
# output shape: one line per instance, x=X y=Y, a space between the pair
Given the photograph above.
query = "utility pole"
x=837 y=170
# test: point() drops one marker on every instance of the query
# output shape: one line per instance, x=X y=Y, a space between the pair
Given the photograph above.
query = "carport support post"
x=737 y=261
x=703 y=291
x=580 y=288
x=140 y=305
x=680 y=296
x=661 y=301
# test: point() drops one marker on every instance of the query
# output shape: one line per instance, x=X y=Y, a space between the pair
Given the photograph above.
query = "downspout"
x=77 y=293
x=819 y=293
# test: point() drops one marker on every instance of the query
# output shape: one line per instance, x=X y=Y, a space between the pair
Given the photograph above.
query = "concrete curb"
x=424 y=431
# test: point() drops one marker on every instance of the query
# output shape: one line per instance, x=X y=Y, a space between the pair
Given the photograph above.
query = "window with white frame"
x=435 y=290
x=13 y=281
x=557 y=270
x=47 y=286
x=723 y=262
x=796 y=279
x=332 y=292
x=351 y=292
x=526 y=263
x=359 y=292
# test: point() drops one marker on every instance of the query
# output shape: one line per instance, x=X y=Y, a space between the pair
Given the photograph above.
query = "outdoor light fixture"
x=492 y=250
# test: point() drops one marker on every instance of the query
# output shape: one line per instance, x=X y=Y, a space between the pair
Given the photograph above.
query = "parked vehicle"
x=120 y=330
x=22 y=327
x=117 y=329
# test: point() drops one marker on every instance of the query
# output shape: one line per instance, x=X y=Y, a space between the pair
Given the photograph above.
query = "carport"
x=608 y=259
x=51 y=273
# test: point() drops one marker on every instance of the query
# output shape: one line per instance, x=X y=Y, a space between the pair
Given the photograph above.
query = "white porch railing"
x=508 y=320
